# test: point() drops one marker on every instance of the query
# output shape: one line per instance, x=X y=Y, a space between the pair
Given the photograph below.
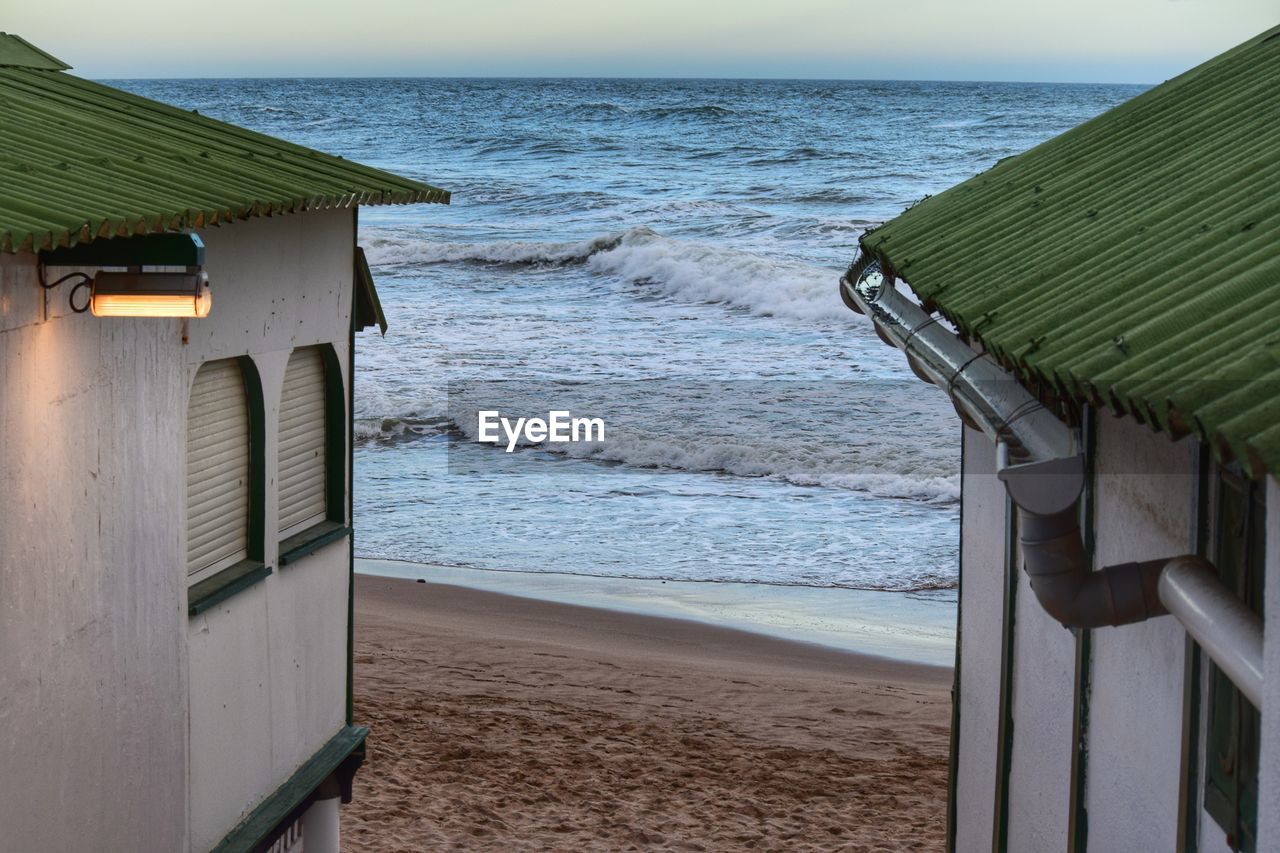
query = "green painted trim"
x=368 y=309
x=1078 y=823
x=216 y=589
x=351 y=488
x=257 y=459
x=142 y=250
x=1004 y=743
x=1189 y=785
x=1078 y=826
x=311 y=540
x=336 y=429
x=953 y=759
x=286 y=803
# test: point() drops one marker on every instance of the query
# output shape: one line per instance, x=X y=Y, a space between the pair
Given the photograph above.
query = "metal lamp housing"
x=151 y=294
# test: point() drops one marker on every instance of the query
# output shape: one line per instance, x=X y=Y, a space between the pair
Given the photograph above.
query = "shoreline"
x=910 y=627
x=504 y=722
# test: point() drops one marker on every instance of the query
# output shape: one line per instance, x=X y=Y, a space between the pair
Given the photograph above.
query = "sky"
x=1106 y=41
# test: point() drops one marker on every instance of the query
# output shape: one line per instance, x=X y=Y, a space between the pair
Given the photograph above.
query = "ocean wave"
x=272 y=109
x=959 y=124
x=879 y=471
x=398 y=251
x=595 y=109
x=691 y=111
x=796 y=465
x=529 y=147
x=394 y=428
x=796 y=155
x=679 y=270
x=689 y=271
x=829 y=196
x=926 y=582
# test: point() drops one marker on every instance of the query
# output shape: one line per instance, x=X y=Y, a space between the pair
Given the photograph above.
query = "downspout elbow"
x=1047 y=495
x=1061 y=578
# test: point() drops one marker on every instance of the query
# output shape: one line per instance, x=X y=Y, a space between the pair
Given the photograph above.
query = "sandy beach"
x=503 y=722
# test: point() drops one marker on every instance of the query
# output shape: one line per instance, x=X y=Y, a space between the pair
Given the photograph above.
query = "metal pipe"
x=1054 y=558
x=978 y=386
x=1039 y=461
x=1221 y=623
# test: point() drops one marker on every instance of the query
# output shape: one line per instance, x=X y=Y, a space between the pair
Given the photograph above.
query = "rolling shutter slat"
x=217 y=467
x=301 y=477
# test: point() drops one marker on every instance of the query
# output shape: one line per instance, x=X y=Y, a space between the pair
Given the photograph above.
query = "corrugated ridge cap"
x=15 y=51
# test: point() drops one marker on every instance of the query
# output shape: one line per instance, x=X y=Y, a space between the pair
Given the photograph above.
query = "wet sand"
x=511 y=723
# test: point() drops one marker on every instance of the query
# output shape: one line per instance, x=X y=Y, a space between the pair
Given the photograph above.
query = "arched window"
x=310 y=475
x=219 y=469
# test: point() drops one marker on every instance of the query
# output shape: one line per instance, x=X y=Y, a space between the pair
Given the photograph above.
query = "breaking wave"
x=679 y=270
x=688 y=271
x=397 y=251
x=882 y=471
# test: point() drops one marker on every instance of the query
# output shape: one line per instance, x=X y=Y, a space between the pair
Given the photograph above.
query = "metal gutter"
x=985 y=396
x=1041 y=464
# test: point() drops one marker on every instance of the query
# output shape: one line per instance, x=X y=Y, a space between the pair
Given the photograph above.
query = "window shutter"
x=301 y=474
x=1234 y=725
x=217 y=468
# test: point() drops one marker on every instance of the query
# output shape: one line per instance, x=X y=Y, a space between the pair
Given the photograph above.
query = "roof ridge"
x=17 y=52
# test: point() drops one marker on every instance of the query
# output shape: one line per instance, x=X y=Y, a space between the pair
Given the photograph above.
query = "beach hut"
x=1104 y=312
x=178 y=304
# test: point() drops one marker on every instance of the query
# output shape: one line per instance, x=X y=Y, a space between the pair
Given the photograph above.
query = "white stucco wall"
x=1043 y=712
x=93 y=722
x=981 y=603
x=124 y=725
x=1144 y=509
x=268 y=665
x=1145 y=486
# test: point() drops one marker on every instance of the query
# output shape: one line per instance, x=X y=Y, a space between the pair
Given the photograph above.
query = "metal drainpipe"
x=1054 y=557
x=1221 y=623
x=1040 y=462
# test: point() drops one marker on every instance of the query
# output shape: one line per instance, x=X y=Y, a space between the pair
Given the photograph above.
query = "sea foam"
x=880 y=470
x=656 y=265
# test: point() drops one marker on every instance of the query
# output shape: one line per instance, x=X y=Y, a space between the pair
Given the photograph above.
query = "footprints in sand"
x=513 y=752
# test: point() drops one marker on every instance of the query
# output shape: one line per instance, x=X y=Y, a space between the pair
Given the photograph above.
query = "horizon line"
x=530 y=77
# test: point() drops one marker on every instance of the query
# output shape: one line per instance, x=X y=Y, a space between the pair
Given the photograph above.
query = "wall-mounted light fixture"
x=150 y=294
x=135 y=291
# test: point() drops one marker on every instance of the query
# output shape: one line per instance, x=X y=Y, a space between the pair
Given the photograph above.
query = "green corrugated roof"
x=1132 y=261
x=79 y=160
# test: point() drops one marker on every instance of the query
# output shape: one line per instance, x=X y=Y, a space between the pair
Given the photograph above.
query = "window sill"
x=311 y=540
x=226 y=583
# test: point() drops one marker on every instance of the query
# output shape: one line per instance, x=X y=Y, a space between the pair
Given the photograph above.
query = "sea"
x=662 y=255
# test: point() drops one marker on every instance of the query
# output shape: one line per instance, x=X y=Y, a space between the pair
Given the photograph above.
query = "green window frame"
x=213 y=590
x=335 y=526
x=1234 y=725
